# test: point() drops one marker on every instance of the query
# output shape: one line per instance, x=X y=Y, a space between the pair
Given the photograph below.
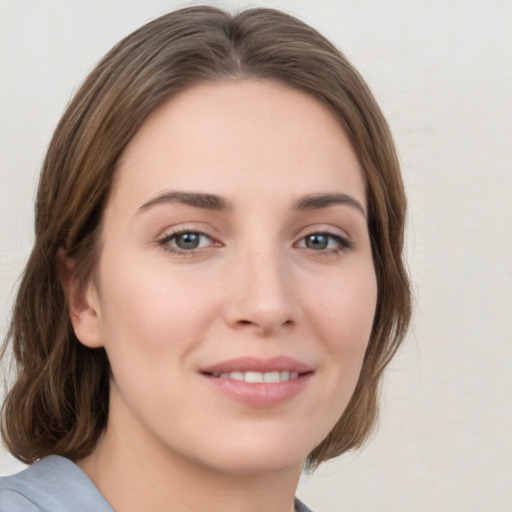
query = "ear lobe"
x=83 y=303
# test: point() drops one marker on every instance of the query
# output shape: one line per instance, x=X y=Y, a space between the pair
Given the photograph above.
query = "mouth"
x=258 y=377
x=259 y=382
x=256 y=370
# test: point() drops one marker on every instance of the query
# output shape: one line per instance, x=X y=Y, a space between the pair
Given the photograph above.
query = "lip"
x=255 y=364
x=264 y=394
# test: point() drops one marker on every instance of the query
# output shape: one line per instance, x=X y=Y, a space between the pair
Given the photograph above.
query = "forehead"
x=220 y=137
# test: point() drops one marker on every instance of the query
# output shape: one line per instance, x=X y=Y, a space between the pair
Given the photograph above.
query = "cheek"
x=149 y=310
x=342 y=313
x=152 y=322
x=347 y=305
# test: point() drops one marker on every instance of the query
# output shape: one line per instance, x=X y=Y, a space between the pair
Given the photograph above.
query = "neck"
x=135 y=475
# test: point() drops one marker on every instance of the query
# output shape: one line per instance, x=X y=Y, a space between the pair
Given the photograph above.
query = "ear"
x=83 y=303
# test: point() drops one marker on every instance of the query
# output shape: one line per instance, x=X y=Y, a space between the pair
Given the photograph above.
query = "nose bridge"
x=261 y=291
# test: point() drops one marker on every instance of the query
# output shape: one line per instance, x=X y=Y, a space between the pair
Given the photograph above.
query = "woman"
x=216 y=284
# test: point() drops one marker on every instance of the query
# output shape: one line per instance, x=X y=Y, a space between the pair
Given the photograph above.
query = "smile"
x=258 y=377
x=257 y=382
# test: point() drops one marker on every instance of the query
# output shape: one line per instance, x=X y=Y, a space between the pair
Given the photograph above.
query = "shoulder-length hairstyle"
x=58 y=403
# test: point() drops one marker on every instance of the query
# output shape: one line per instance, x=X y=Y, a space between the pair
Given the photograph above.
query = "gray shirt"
x=55 y=484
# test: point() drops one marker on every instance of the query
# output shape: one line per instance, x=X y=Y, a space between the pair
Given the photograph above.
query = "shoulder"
x=13 y=501
x=54 y=484
x=299 y=506
x=13 y=497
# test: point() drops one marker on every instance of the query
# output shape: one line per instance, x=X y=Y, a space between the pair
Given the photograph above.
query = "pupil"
x=318 y=242
x=187 y=241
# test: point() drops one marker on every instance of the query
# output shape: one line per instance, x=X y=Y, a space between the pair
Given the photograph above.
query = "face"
x=235 y=290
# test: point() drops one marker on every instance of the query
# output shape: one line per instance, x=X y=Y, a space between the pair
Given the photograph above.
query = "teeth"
x=258 y=377
x=253 y=377
x=271 y=377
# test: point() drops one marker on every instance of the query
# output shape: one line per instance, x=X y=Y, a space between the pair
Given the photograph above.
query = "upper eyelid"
x=164 y=242
x=343 y=240
x=333 y=231
x=170 y=236
x=324 y=229
x=178 y=230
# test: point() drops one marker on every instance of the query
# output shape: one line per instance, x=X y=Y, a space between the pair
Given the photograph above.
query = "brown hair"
x=59 y=401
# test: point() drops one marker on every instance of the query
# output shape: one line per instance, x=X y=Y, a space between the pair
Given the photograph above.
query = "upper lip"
x=255 y=364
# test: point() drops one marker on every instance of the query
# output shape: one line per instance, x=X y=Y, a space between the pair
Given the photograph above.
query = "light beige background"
x=442 y=71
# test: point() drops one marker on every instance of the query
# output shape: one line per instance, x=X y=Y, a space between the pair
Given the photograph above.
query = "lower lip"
x=261 y=394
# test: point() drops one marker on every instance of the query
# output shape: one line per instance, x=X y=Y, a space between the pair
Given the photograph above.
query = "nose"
x=260 y=293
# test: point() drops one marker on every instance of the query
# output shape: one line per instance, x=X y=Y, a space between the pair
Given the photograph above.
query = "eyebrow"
x=194 y=199
x=216 y=203
x=317 y=201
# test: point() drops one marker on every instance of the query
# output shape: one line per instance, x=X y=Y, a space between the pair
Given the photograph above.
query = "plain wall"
x=442 y=72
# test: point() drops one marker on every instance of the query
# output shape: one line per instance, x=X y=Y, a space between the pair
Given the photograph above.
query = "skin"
x=255 y=286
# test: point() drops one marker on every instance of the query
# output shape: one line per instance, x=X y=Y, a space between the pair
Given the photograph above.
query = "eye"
x=185 y=241
x=326 y=242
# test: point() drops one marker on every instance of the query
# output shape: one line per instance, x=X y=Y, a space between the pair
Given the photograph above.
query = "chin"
x=257 y=455
x=247 y=464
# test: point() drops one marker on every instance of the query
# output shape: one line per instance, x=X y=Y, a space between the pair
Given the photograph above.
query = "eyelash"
x=342 y=244
x=164 y=242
